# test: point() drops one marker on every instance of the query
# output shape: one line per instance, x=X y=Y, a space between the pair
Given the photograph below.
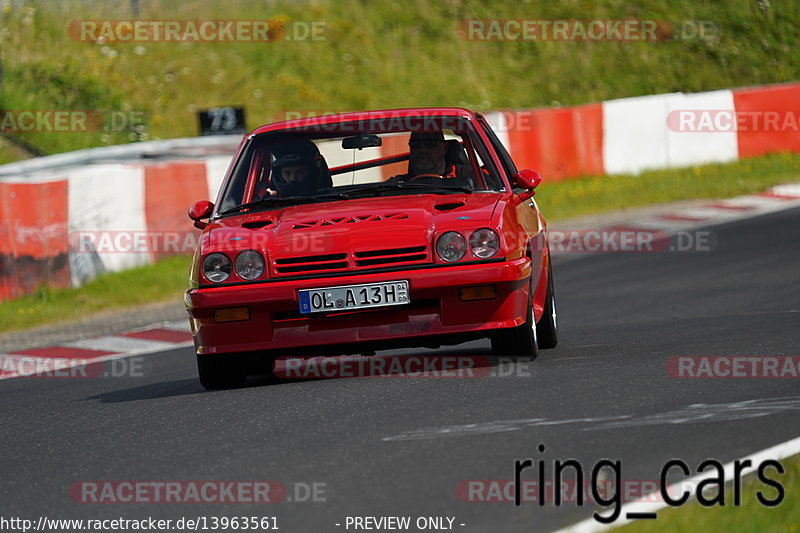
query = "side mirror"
x=526 y=179
x=200 y=210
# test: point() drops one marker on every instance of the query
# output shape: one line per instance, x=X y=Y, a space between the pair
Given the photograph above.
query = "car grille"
x=412 y=254
x=362 y=259
x=311 y=263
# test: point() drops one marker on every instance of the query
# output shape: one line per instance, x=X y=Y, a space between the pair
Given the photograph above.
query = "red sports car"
x=361 y=231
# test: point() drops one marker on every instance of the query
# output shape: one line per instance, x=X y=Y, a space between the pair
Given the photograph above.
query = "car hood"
x=360 y=225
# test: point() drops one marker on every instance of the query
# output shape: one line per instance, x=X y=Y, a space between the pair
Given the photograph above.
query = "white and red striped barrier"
x=629 y=135
x=41 y=215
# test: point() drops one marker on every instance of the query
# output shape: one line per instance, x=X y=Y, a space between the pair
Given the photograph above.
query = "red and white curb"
x=716 y=212
x=671 y=221
x=58 y=360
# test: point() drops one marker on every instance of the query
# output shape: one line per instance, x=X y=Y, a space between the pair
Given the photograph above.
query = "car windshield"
x=352 y=160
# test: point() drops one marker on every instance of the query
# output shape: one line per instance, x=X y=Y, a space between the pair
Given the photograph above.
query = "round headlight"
x=484 y=243
x=451 y=246
x=249 y=265
x=217 y=267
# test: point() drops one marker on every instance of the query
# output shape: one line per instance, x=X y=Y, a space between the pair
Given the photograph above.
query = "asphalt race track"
x=400 y=447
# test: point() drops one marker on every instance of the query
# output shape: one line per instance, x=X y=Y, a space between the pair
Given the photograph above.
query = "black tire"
x=547 y=328
x=519 y=342
x=220 y=371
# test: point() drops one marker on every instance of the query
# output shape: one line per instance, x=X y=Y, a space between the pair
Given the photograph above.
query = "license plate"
x=346 y=297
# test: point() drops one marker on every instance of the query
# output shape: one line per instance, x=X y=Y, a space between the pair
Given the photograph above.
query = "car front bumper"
x=436 y=309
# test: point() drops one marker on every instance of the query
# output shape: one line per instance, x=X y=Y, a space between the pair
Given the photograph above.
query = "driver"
x=428 y=155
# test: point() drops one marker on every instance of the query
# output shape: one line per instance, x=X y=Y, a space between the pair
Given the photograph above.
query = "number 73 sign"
x=226 y=120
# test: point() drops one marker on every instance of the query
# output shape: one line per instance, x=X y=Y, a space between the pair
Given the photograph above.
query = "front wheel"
x=518 y=342
x=223 y=371
x=547 y=328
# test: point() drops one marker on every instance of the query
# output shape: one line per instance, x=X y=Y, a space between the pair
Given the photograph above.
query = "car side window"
x=234 y=190
x=502 y=153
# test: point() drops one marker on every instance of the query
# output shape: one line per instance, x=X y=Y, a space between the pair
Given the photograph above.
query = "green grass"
x=49 y=86
x=166 y=279
x=376 y=54
x=162 y=281
x=750 y=517
x=10 y=152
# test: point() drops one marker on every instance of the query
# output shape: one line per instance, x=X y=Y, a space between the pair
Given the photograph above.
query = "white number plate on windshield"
x=346 y=297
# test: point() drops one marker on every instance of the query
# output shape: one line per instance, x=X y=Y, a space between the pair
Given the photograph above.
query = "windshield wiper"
x=277 y=200
x=409 y=186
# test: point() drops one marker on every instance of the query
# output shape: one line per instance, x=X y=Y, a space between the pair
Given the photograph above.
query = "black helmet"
x=300 y=153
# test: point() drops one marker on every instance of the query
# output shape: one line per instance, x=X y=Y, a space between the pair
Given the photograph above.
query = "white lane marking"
x=708 y=412
x=691 y=414
x=495 y=426
x=777 y=452
x=118 y=344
